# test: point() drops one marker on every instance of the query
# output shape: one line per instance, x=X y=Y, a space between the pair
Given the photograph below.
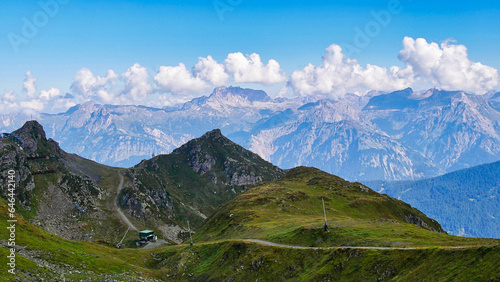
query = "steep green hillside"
x=195 y=179
x=241 y=261
x=465 y=202
x=290 y=211
x=40 y=255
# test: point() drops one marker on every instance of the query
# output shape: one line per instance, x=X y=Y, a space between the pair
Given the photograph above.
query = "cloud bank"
x=446 y=65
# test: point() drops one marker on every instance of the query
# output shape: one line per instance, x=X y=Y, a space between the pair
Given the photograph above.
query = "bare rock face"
x=245 y=179
x=173 y=232
x=14 y=159
x=31 y=134
x=413 y=219
x=199 y=162
x=57 y=215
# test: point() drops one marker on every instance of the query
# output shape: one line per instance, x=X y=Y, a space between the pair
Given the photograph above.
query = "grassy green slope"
x=43 y=255
x=239 y=261
x=290 y=211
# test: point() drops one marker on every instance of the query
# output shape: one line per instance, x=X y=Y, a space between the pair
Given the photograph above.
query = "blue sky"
x=102 y=35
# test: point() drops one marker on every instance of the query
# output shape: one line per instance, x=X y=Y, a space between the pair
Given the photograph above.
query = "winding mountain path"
x=117 y=207
x=267 y=243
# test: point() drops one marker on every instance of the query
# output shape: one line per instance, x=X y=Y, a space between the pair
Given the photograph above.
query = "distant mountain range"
x=403 y=135
x=465 y=202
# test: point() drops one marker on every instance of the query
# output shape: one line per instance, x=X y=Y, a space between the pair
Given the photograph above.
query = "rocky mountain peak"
x=32 y=138
x=249 y=94
x=30 y=135
x=213 y=135
x=31 y=130
x=397 y=100
x=215 y=155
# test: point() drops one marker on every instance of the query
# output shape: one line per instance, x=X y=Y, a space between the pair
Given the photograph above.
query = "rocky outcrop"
x=413 y=219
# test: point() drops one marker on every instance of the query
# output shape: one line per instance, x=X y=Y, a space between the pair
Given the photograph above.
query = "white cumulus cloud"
x=35 y=104
x=50 y=94
x=338 y=76
x=448 y=66
x=209 y=70
x=250 y=68
x=180 y=81
x=29 y=86
x=136 y=83
x=10 y=96
x=89 y=86
x=8 y=102
x=46 y=100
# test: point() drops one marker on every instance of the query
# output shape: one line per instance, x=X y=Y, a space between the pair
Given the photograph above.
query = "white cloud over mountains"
x=209 y=70
x=181 y=81
x=87 y=85
x=8 y=102
x=445 y=65
x=338 y=76
x=208 y=73
x=250 y=68
x=29 y=86
x=137 y=86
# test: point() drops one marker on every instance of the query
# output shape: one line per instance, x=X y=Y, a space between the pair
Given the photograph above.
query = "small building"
x=147 y=235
